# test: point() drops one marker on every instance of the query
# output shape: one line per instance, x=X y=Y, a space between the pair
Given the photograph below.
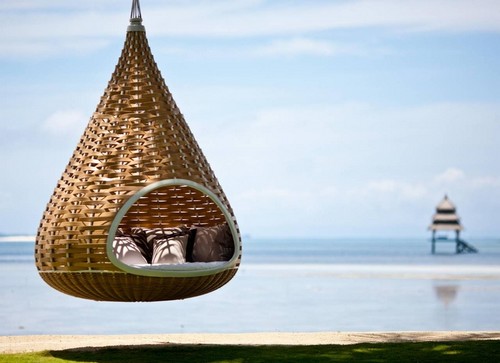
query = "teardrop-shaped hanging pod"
x=138 y=214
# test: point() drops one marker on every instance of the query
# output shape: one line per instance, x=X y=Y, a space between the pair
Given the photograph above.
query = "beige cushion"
x=168 y=245
x=213 y=244
x=170 y=250
x=127 y=251
x=156 y=233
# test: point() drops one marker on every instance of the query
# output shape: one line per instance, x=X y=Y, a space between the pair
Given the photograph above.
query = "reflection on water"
x=446 y=293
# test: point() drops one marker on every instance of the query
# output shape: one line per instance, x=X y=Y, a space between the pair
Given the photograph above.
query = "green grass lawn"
x=435 y=352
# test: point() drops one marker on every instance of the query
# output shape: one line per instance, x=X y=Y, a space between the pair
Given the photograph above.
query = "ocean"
x=283 y=285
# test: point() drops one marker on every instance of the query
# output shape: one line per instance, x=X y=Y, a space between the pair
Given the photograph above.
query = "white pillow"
x=170 y=250
x=127 y=251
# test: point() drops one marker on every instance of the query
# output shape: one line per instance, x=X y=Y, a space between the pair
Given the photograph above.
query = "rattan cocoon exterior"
x=136 y=165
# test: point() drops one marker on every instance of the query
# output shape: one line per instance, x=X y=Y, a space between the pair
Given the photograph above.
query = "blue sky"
x=320 y=118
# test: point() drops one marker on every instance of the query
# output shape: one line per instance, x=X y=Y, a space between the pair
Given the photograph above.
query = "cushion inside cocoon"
x=213 y=244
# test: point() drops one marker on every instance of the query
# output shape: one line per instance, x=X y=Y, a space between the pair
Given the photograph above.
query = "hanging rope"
x=135 y=13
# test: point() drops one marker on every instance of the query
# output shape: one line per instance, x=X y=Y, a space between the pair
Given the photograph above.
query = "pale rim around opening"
x=182 y=270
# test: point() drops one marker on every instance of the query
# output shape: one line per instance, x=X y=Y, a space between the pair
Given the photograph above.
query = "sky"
x=324 y=119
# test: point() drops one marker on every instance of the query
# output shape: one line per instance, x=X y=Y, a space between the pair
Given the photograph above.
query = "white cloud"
x=329 y=167
x=33 y=5
x=450 y=175
x=399 y=190
x=65 y=122
x=309 y=46
x=485 y=182
x=49 y=48
x=48 y=22
x=382 y=207
x=296 y=46
x=222 y=18
x=354 y=140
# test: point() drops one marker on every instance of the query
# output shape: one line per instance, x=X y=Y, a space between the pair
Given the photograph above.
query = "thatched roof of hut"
x=446 y=217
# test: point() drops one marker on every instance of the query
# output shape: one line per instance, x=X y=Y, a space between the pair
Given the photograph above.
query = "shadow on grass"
x=468 y=351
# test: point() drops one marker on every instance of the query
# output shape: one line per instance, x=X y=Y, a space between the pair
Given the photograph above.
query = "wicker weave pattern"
x=136 y=136
x=109 y=286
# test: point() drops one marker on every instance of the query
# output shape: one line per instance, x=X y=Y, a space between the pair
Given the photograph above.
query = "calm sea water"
x=283 y=285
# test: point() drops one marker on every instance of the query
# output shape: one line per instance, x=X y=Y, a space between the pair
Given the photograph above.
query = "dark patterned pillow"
x=190 y=245
x=213 y=244
x=139 y=236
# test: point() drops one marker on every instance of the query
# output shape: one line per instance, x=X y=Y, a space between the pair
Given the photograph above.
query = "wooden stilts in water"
x=446 y=219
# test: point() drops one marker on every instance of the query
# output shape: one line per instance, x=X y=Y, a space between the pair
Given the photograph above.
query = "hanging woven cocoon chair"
x=138 y=214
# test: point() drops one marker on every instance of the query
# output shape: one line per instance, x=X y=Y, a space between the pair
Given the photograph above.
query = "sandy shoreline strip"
x=35 y=343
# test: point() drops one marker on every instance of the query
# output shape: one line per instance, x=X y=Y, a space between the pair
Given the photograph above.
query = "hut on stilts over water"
x=447 y=219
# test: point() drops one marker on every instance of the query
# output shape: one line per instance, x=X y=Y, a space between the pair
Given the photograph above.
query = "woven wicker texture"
x=136 y=136
x=109 y=286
